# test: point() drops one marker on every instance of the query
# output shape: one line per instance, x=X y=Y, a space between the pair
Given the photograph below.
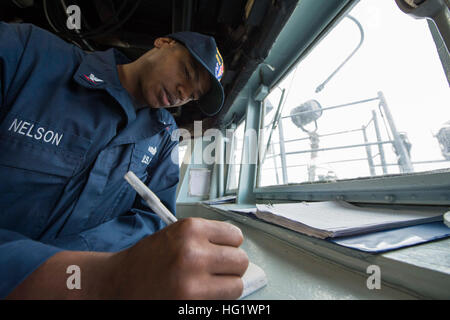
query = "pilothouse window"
x=371 y=99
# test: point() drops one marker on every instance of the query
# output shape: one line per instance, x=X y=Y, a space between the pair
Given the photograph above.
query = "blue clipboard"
x=382 y=241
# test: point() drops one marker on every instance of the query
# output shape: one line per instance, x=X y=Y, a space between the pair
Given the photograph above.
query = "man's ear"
x=159 y=42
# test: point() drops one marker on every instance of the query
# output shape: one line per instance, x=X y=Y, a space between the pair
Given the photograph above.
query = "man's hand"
x=193 y=258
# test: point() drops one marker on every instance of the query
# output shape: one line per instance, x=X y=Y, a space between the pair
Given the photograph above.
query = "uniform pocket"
x=115 y=196
x=34 y=157
x=144 y=156
x=139 y=162
x=33 y=177
x=29 y=145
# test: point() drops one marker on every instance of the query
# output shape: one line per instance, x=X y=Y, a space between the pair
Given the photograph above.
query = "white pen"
x=152 y=200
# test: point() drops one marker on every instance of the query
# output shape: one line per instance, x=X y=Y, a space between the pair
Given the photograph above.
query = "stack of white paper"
x=336 y=218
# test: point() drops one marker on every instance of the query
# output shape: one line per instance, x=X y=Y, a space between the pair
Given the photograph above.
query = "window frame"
x=423 y=188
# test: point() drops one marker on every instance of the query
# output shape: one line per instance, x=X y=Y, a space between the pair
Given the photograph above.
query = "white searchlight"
x=305 y=114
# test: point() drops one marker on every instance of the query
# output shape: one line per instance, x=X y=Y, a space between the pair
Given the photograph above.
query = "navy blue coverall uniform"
x=68 y=134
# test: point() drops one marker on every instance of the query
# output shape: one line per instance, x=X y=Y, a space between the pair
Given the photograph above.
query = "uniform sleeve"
x=19 y=257
x=13 y=41
x=124 y=231
x=21 y=44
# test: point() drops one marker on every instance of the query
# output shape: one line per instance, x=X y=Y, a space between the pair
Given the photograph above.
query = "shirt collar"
x=98 y=70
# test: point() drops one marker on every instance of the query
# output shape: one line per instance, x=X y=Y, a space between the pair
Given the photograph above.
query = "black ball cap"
x=204 y=49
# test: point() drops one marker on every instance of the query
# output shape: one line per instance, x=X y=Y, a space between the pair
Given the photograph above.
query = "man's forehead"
x=202 y=75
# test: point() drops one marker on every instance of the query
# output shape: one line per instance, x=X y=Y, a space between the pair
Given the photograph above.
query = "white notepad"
x=254 y=279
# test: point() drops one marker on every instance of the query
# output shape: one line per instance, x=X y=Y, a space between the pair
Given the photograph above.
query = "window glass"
x=371 y=99
x=236 y=148
x=182 y=152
